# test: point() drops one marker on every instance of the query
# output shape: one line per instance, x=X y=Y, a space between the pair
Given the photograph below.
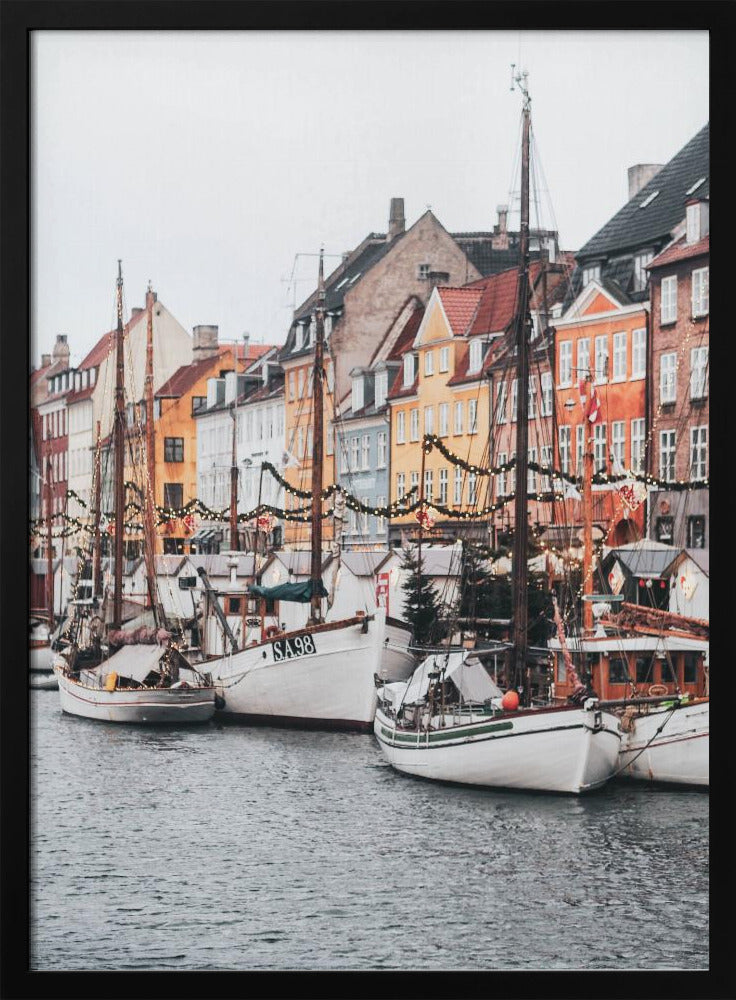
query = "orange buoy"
x=510 y=701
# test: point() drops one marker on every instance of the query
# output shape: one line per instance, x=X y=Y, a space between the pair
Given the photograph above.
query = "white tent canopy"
x=467 y=672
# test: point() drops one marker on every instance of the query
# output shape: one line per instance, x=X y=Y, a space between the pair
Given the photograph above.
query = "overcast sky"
x=209 y=161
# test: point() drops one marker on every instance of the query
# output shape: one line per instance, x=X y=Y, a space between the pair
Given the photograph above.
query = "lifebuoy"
x=272 y=630
x=657 y=689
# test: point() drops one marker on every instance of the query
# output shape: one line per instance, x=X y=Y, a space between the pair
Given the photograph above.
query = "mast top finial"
x=520 y=79
x=321 y=279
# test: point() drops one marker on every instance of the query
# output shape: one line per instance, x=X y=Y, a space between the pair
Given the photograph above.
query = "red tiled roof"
x=498 y=302
x=460 y=305
x=398 y=389
x=77 y=395
x=187 y=375
x=100 y=351
x=681 y=251
x=406 y=338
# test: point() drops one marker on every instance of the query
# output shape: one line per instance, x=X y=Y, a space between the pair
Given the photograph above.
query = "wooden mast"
x=587 y=512
x=119 y=444
x=49 y=548
x=97 y=551
x=149 y=498
x=317 y=445
x=234 y=545
x=520 y=570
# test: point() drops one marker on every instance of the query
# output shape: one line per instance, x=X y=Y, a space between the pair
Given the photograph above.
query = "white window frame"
x=475 y=356
x=382 y=449
x=357 y=399
x=667 y=454
x=618 y=441
x=698 y=452
x=381 y=389
x=501 y=400
x=472 y=416
x=638 y=444
x=564 y=435
x=472 y=489
x=532 y=390
x=600 y=456
x=429 y=420
x=380 y=520
x=640 y=274
x=565 y=364
x=547 y=395
x=531 y=475
x=443 y=419
x=601 y=359
x=444 y=359
x=408 y=370
x=501 y=476
x=459 y=411
x=582 y=357
x=591 y=273
x=429 y=362
x=414 y=424
x=638 y=354
x=354 y=453
x=700 y=292
x=514 y=392
x=365 y=452
x=428 y=485
x=668 y=378
x=458 y=487
x=619 y=357
x=579 y=448
x=400 y=485
x=698 y=372
x=443 y=487
x=668 y=299
x=400 y=427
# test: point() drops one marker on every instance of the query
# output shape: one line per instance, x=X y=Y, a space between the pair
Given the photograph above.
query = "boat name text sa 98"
x=288 y=649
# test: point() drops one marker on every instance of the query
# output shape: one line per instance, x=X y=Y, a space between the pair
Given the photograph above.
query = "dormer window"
x=92 y=376
x=640 y=275
x=381 y=388
x=408 y=370
x=475 y=357
x=358 y=399
x=423 y=272
x=298 y=337
x=312 y=331
x=696 y=221
x=591 y=273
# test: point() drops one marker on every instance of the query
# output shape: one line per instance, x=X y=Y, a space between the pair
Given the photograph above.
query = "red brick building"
x=680 y=411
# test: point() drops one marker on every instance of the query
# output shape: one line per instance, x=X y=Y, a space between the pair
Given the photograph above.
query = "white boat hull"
x=678 y=755
x=132 y=705
x=398 y=663
x=332 y=687
x=569 y=750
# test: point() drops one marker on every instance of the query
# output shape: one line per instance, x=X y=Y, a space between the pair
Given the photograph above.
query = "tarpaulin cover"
x=299 y=592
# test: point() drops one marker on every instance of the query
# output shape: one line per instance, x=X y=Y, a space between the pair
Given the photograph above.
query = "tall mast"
x=97 y=551
x=587 y=511
x=520 y=596
x=318 y=419
x=49 y=547
x=119 y=444
x=234 y=543
x=149 y=498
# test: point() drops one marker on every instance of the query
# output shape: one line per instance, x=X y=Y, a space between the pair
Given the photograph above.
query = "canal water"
x=223 y=848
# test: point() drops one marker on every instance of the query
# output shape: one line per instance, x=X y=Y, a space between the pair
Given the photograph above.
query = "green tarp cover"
x=299 y=592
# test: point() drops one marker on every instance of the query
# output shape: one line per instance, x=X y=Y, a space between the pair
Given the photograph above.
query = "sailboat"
x=138 y=676
x=451 y=722
x=320 y=675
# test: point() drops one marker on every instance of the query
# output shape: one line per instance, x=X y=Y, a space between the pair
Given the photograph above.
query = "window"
x=472 y=489
x=428 y=484
x=298 y=336
x=174 y=495
x=637 y=444
x=400 y=485
x=668 y=300
x=546 y=462
x=565 y=435
x=698 y=452
x=354 y=454
x=639 y=353
x=618 y=442
x=408 y=370
x=381 y=389
x=429 y=420
x=599 y=448
x=423 y=272
x=400 y=427
x=696 y=531
x=365 y=451
x=381 y=440
x=667 y=377
x=618 y=671
x=300 y=383
x=310 y=382
x=591 y=273
x=458 y=428
x=583 y=362
x=532 y=390
x=644 y=670
x=700 y=292
x=173 y=449
x=640 y=275
x=300 y=442
x=547 y=403
x=292 y=394
x=664 y=529
x=698 y=369
x=601 y=358
x=380 y=520
x=443 y=487
x=619 y=357
x=565 y=363
x=512 y=473
x=344 y=457
x=357 y=399
x=414 y=483
x=667 y=454
x=458 y=487
x=472 y=416
x=514 y=392
x=692 y=223
x=501 y=403
x=429 y=362
x=475 y=355
x=531 y=475
x=444 y=419
x=579 y=446
x=690 y=662
x=444 y=359
x=414 y=425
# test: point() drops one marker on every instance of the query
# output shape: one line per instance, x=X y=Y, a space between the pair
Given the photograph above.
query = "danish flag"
x=591 y=407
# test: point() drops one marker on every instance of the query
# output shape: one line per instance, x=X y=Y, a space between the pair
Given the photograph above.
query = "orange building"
x=603 y=336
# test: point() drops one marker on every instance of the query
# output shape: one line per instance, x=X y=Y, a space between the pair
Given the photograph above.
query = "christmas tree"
x=421 y=605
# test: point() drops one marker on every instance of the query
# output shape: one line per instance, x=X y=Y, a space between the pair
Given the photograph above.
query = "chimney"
x=45 y=360
x=205 y=343
x=500 y=239
x=246 y=345
x=61 y=349
x=640 y=175
x=396 y=221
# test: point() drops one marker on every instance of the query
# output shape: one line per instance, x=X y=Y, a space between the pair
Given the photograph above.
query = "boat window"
x=618 y=672
x=644 y=671
x=233 y=605
x=690 y=674
x=561 y=672
x=666 y=669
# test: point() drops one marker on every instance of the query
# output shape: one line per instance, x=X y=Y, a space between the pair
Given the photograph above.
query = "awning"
x=202 y=535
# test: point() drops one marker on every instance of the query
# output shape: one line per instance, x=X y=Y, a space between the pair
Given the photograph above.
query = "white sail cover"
x=467 y=673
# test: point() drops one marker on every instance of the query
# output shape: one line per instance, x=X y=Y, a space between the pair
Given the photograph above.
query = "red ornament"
x=188 y=523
